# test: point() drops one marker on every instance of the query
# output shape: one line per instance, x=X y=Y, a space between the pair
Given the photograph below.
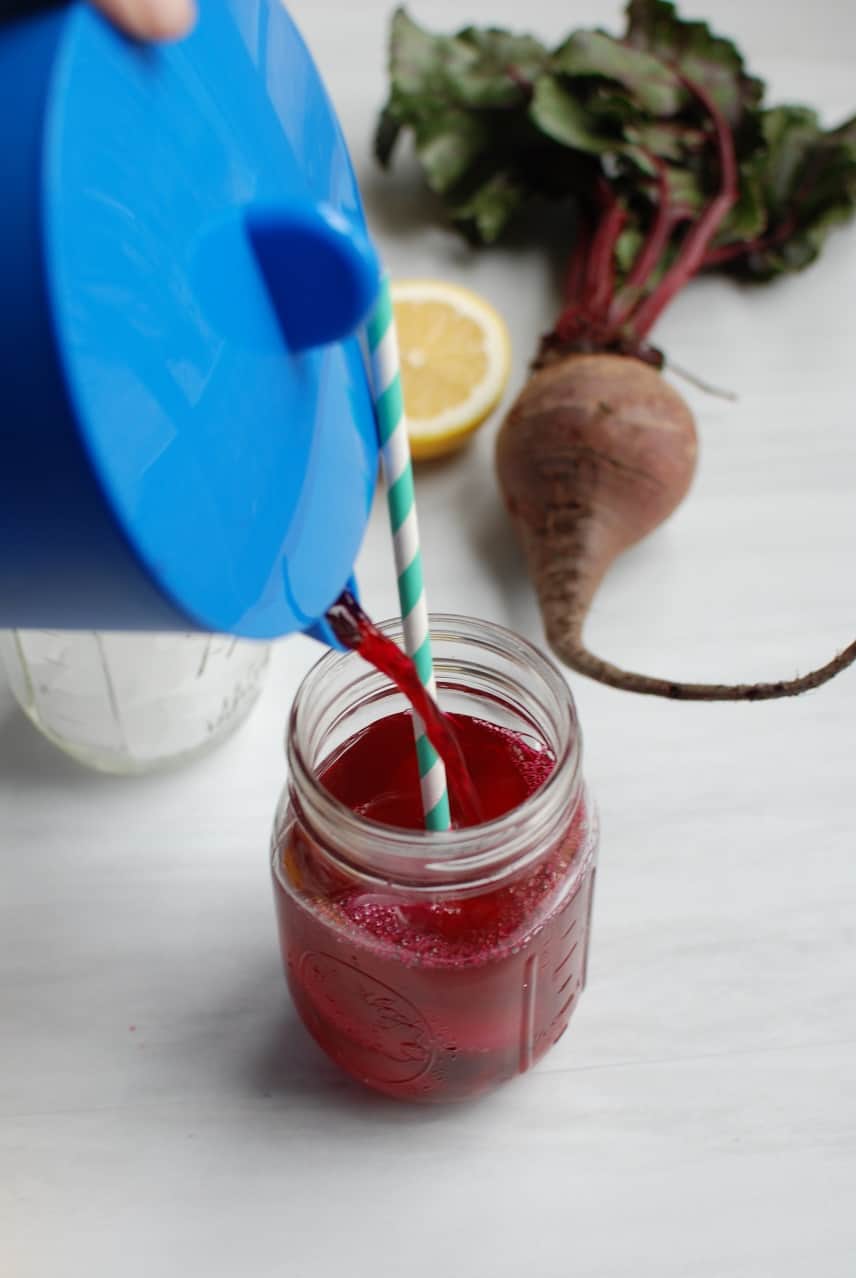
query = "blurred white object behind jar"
x=133 y=702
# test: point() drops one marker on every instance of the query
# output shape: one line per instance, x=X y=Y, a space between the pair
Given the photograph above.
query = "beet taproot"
x=596 y=452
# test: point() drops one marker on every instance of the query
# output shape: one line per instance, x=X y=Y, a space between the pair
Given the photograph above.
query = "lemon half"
x=455 y=359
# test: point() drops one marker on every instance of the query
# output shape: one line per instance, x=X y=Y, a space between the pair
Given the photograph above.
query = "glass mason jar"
x=133 y=702
x=485 y=959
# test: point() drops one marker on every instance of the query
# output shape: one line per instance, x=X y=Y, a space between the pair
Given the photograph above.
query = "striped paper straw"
x=398 y=473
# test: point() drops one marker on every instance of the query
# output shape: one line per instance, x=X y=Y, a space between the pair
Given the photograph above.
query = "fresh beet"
x=660 y=143
x=597 y=451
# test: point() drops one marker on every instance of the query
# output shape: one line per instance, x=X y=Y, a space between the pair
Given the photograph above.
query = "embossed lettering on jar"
x=436 y=966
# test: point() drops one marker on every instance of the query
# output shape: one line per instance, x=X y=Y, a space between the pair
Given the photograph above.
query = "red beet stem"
x=697 y=240
x=665 y=220
x=771 y=238
x=601 y=268
x=745 y=248
x=577 y=264
x=594 y=318
x=590 y=277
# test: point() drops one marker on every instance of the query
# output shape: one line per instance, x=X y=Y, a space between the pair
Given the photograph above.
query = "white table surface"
x=699 y=1119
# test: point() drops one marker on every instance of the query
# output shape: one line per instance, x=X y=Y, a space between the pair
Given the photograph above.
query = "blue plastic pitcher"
x=187 y=436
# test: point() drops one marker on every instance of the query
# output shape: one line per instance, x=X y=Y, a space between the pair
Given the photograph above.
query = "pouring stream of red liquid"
x=356 y=631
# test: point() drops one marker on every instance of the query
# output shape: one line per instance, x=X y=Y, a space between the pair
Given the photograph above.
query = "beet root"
x=596 y=452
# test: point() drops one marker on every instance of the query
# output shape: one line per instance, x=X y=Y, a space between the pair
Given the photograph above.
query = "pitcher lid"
x=206 y=263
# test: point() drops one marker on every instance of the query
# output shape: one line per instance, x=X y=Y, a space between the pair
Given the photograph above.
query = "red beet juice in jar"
x=434 y=966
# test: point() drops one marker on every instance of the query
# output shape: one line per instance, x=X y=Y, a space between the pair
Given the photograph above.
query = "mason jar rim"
x=457 y=853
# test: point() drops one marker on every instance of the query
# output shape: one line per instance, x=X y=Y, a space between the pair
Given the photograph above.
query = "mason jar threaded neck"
x=481 y=669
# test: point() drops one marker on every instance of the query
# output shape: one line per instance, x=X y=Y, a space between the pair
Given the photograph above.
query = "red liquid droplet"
x=356 y=631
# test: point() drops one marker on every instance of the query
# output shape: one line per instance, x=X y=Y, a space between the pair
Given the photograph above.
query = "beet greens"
x=659 y=142
x=661 y=147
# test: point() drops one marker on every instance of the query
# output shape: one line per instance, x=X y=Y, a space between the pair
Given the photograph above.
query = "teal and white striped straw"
x=398 y=473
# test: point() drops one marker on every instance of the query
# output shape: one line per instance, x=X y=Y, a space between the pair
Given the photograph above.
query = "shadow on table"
x=291 y=1067
x=399 y=204
x=487 y=525
x=29 y=760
